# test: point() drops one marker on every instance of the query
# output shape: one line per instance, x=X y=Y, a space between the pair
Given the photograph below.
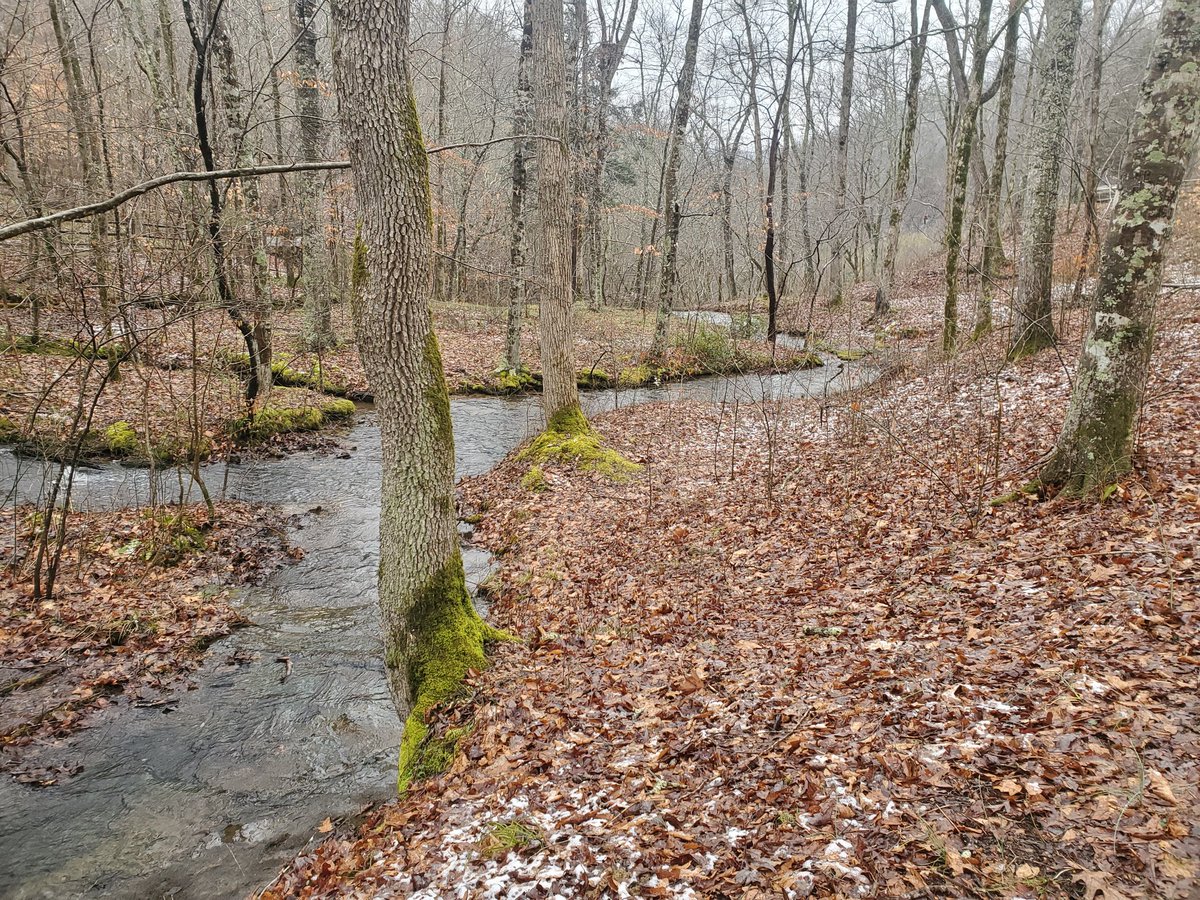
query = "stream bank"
x=210 y=795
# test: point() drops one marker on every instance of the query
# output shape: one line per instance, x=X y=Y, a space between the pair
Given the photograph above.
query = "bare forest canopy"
x=100 y=98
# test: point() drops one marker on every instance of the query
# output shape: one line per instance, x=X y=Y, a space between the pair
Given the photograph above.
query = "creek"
x=209 y=795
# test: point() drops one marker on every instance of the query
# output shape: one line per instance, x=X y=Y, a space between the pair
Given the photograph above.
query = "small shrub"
x=711 y=347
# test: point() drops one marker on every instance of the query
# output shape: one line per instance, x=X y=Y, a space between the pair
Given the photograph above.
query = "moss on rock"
x=9 y=431
x=636 y=376
x=590 y=379
x=284 y=420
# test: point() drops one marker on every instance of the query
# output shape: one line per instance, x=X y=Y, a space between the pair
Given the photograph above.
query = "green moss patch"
x=637 y=376
x=535 y=480
x=591 y=379
x=9 y=431
x=285 y=420
x=448 y=641
x=569 y=439
x=120 y=438
x=505 y=837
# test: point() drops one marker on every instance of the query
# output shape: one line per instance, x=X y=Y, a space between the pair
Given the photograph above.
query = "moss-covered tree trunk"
x=315 y=285
x=670 y=195
x=908 y=132
x=432 y=634
x=1096 y=441
x=1033 y=325
x=560 y=394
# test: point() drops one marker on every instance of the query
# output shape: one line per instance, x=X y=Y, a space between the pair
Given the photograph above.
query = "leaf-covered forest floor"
x=801 y=654
x=139 y=598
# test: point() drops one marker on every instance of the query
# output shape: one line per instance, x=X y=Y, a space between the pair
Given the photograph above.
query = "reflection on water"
x=208 y=796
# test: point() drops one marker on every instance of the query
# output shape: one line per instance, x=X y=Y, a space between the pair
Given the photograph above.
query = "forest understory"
x=181 y=393
x=808 y=651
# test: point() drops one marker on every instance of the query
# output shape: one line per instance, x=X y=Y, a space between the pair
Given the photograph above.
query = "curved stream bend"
x=209 y=799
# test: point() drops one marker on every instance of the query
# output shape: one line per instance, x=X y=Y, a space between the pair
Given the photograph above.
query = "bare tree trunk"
x=908 y=131
x=1100 y=12
x=202 y=35
x=993 y=246
x=970 y=99
x=560 y=393
x=670 y=203
x=1095 y=445
x=315 y=285
x=781 y=122
x=837 y=273
x=608 y=55
x=87 y=139
x=522 y=151
x=1033 y=327
x=432 y=634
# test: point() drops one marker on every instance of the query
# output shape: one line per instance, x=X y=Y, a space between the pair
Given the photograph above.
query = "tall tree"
x=670 y=196
x=993 y=246
x=314 y=279
x=614 y=39
x=522 y=152
x=205 y=35
x=1033 y=327
x=432 y=634
x=1096 y=441
x=917 y=41
x=560 y=393
x=971 y=98
x=837 y=268
x=1091 y=179
x=778 y=127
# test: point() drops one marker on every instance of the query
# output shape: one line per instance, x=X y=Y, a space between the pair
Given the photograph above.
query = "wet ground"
x=210 y=794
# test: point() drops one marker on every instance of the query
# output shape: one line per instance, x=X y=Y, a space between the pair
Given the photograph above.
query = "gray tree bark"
x=522 y=152
x=837 y=268
x=993 y=247
x=1033 y=326
x=315 y=285
x=891 y=246
x=670 y=202
x=560 y=393
x=1095 y=445
x=432 y=634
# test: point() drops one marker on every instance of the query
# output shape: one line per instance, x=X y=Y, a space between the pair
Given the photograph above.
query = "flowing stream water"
x=209 y=795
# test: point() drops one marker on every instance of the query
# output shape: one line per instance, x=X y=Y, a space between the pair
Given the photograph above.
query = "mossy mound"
x=569 y=439
x=535 y=480
x=9 y=431
x=47 y=346
x=120 y=438
x=285 y=420
x=637 y=376
x=119 y=441
x=503 y=383
x=591 y=379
